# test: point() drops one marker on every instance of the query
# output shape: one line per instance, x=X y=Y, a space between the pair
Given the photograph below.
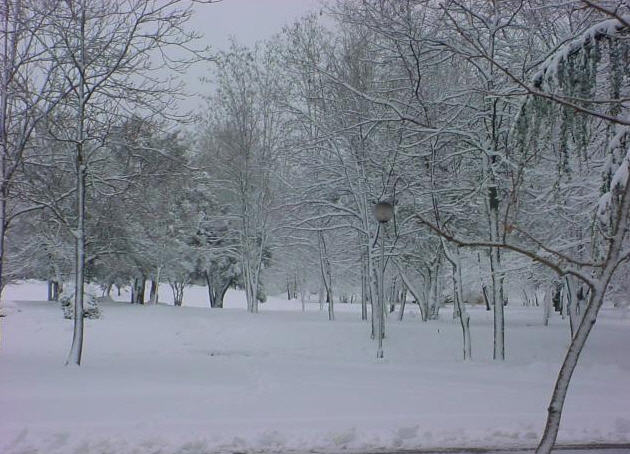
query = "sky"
x=247 y=21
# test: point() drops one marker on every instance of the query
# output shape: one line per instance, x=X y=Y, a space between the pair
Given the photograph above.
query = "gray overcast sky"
x=247 y=20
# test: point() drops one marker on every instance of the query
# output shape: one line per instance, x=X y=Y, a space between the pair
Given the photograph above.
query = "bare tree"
x=243 y=136
x=106 y=58
x=26 y=98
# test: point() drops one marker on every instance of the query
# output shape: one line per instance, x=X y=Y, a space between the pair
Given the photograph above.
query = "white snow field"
x=192 y=380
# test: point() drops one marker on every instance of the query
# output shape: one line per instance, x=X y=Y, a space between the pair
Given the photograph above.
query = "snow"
x=621 y=131
x=164 y=379
x=549 y=70
x=620 y=178
x=603 y=204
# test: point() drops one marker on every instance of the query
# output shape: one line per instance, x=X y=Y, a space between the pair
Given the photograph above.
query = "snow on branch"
x=605 y=29
x=620 y=179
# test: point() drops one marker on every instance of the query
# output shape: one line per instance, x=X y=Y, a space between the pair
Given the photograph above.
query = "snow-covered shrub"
x=90 y=304
x=476 y=299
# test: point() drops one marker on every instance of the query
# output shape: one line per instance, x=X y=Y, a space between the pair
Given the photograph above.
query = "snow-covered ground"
x=190 y=380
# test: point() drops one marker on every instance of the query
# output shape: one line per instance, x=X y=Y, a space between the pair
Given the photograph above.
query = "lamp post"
x=383 y=211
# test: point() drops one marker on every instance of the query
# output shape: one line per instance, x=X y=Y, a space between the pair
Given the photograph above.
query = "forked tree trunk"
x=178 y=292
x=414 y=292
x=574 y=303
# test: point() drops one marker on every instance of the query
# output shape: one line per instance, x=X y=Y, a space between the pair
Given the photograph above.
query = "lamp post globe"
x=383 y=211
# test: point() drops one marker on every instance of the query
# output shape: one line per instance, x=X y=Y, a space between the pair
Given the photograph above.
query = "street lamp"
x=383 y=211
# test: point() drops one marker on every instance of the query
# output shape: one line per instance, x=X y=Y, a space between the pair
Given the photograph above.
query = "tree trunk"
x=403 y=302
x=218 y=302
x=153 y=292
x=547 y=303
x=249 y=279
x=320 y=296
x=4 y=113
x=559 y=299
x=76 y=350
x=364 y=314
x=155 y=286
x=434 y=304
x=497 y=304
x=484 y=291
x=458 y=298
x=50 y=291
x=380 y=324
x=141 y=289
x=211 y=292
x=572 y=303
x=564 y=302
x=55 y=290
x=598 y=291
x=554 y=412
x=255 y=282
x=393 y=296
x=137 y=292
x=455 y=305
x=178 y=292
x=324 y=263
x=372 y=287
x=414 y=292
